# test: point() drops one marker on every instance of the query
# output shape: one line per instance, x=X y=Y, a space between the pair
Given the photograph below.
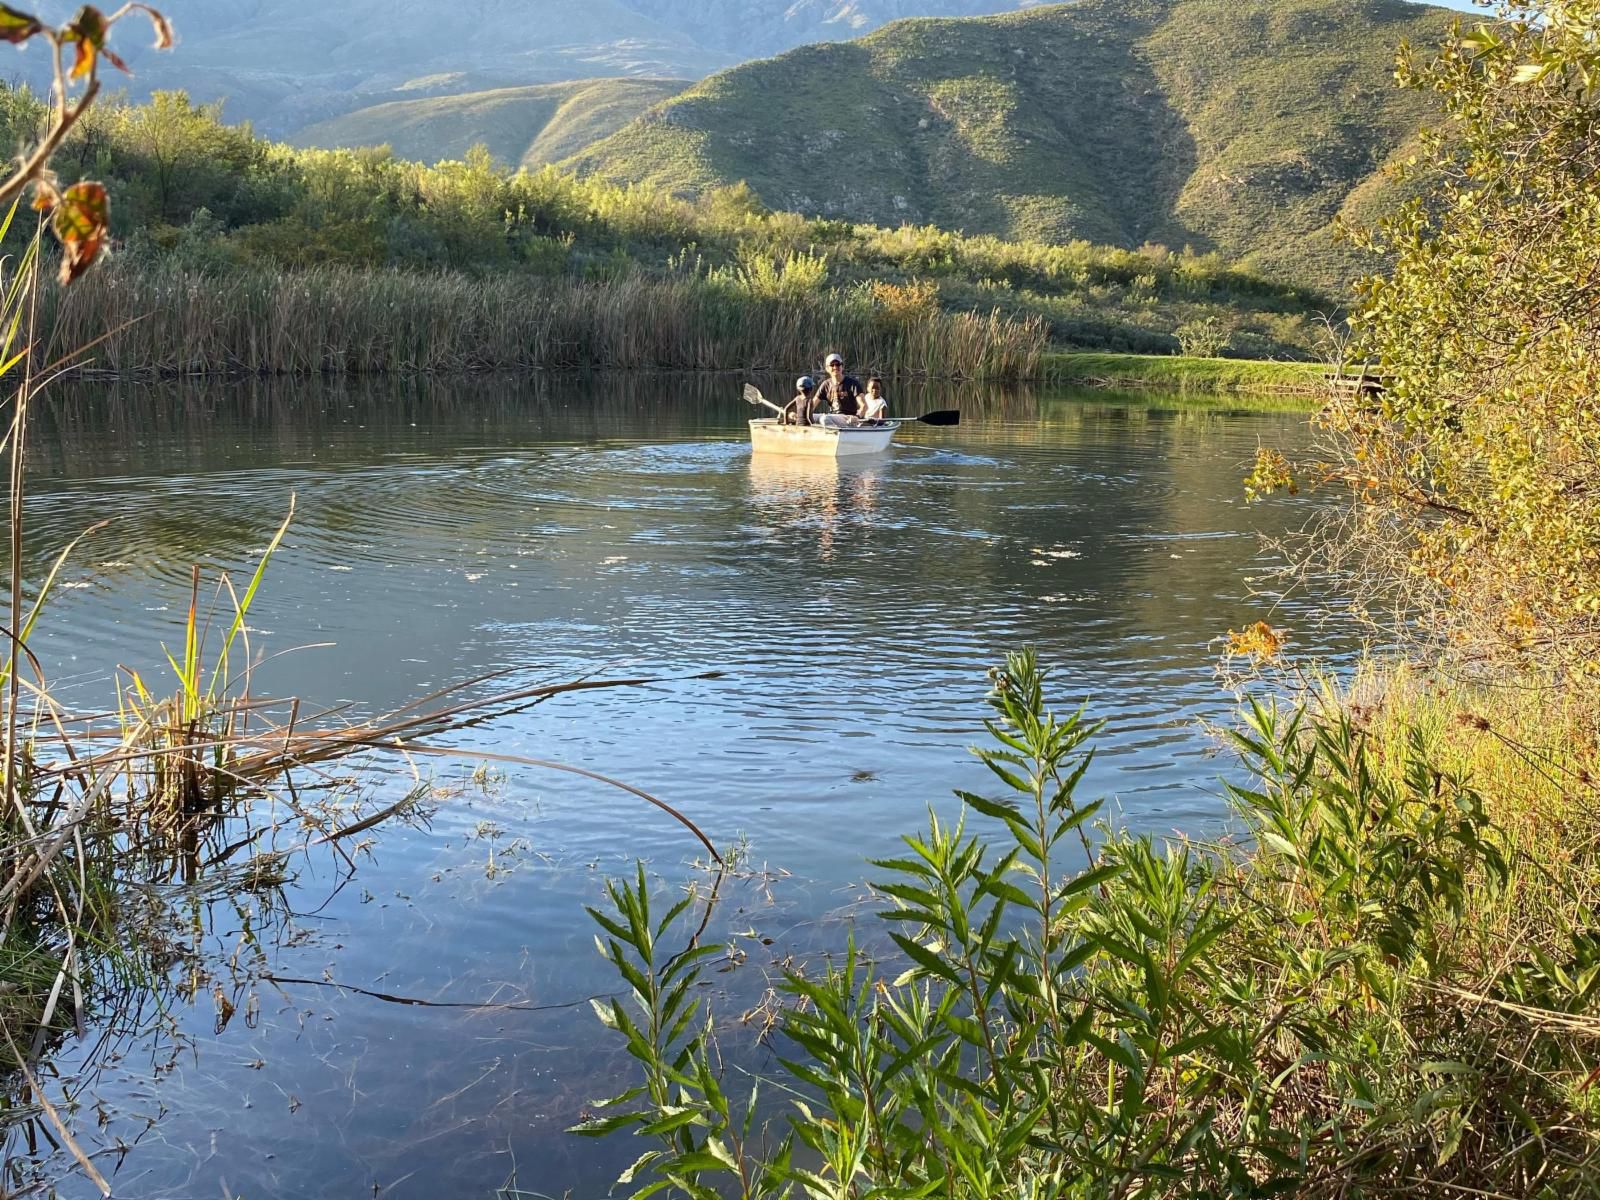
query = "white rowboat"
x=833 y=439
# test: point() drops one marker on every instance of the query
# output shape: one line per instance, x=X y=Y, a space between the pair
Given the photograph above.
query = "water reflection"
x=553 y=526
x=816 y=495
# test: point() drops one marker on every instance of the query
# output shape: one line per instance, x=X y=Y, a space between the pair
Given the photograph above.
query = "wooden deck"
x=1361 y=385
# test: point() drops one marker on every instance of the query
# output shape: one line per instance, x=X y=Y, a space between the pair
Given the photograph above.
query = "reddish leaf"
x=17 y=27
x=88 y=33
x=81 y=222
x=45 y=196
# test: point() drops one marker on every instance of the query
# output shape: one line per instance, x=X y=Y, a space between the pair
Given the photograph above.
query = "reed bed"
x=205 y=784
x=168 y=322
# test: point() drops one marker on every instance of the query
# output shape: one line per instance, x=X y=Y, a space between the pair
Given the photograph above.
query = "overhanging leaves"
x=81 y=222
x=17 y=27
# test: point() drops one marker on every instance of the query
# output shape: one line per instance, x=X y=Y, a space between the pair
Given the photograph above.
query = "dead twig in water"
x=415 y=1002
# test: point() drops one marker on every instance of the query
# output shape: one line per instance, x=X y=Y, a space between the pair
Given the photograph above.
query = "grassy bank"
x=1179 y=373
x=1385 y=982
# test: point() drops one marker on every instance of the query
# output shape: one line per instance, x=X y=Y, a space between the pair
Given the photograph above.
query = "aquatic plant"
x=1374 y=989
x=169 y=321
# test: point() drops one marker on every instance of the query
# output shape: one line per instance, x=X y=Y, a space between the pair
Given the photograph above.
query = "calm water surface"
x=573 y=527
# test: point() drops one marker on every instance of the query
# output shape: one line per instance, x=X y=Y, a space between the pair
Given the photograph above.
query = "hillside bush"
x=1203 y=337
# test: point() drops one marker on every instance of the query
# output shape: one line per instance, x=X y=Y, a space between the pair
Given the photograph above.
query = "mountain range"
x=1241 y=126
x=285 y=64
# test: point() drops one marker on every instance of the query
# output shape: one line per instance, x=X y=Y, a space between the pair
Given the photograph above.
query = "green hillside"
x=1242 y=126
x=521 y=126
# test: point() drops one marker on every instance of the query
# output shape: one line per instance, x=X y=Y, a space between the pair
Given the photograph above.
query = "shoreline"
x=1088 y=369
x=1178 y=373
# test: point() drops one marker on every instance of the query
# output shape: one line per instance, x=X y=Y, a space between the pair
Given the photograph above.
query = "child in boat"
x=874 y=405
x=798 y=410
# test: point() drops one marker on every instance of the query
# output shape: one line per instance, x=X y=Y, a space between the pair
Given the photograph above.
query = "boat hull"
x=767 y=436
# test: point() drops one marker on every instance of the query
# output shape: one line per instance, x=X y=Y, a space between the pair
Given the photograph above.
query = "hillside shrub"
x=1202 y=337
x=904 y=303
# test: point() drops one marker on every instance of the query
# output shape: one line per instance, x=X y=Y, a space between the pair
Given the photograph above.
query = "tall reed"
x=166 y=321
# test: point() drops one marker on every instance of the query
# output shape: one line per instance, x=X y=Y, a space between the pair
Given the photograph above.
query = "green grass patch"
x=1175 y=372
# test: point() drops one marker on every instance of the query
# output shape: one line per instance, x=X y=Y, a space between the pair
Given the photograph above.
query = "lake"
x=614 y=527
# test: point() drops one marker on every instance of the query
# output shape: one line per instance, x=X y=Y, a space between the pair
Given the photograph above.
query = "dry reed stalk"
x=256 y=760
x=167 y=322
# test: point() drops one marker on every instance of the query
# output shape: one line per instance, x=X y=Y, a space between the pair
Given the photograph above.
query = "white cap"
x=831 y=359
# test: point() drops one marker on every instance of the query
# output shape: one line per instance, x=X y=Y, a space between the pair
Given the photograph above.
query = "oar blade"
x=949 y=416
x=752 y=394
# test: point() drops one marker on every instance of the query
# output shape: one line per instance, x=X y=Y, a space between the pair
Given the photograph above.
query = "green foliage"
x=1201 y=338
x=1296 y=1012
x=1475 y=510
x=794 y=278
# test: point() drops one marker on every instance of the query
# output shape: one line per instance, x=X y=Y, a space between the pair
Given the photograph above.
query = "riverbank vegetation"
x=1382 y=982
x=1385 y=978
x=208 y=214
x=1476 y=516
x=119 y=823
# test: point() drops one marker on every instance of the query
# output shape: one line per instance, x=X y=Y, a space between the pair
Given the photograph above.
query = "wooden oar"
x=947 y=416
x=752 y=395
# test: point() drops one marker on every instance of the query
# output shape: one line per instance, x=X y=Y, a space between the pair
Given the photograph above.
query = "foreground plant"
x=1300 y=1012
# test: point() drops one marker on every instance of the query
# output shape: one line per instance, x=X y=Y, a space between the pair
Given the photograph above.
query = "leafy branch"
x=81 y=213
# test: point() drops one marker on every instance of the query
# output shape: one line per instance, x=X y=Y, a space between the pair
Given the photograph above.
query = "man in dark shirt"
x=842 y=392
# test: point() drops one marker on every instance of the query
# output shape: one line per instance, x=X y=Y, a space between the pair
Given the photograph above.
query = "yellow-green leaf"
x=81 y=222
x=17 y=27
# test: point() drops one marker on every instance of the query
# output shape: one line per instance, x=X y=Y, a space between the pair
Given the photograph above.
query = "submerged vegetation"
x=206 y=210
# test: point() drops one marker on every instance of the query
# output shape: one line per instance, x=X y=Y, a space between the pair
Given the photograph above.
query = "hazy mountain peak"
x=285 y=63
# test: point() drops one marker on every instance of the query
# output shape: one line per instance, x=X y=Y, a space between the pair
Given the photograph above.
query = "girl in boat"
x=874 y=405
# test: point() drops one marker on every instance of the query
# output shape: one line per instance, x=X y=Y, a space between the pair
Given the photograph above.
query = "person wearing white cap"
x=842 y=392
